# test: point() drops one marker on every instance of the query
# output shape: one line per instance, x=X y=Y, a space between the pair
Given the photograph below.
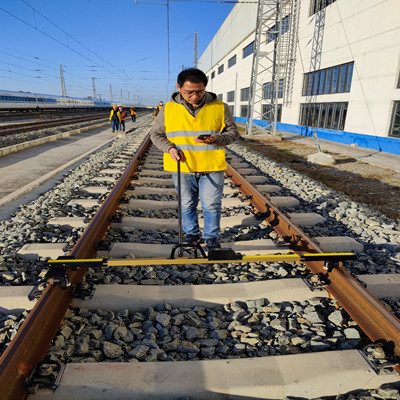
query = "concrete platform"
x=300 y=375
x=32 y=251
x=142 y=250
x=23 y=171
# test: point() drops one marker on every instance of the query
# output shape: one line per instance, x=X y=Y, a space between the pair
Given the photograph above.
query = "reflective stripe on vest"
x=181 y=128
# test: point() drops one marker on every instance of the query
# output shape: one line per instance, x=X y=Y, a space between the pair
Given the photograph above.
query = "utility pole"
x=63 y=88
x=195 y=58
x=94 y=90
x=111 y=94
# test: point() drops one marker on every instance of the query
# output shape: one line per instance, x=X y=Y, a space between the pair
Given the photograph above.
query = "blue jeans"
x=122 y=126
x=208 y=188
x=114 y=125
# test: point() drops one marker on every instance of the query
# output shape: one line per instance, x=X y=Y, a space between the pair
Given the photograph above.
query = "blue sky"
x=121 y=43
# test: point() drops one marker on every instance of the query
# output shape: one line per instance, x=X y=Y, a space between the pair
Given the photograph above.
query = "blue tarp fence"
x=380 y=143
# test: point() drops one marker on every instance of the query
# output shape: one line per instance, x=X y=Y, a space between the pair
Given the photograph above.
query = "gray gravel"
x=249 y=329
x=254 y=328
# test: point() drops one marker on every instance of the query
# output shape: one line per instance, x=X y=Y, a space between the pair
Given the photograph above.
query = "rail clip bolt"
x=46 y=370
x=378 y=352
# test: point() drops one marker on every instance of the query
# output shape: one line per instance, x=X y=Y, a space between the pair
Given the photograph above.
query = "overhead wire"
x=71 y=48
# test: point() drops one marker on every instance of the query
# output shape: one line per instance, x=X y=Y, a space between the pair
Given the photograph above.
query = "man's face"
x=192 y=92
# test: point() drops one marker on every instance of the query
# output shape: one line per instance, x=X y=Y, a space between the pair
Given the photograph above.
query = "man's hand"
x=207 y=139
x=175 y=154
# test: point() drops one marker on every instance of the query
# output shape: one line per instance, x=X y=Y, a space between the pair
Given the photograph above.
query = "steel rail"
x=6 y=130
x=36 y=333
x=369 y=313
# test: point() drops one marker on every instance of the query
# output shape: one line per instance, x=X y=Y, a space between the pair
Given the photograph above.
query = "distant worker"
x=114 y=118
x=122 y=117
x=159 y=107
x=133 y=114
x=194 y=127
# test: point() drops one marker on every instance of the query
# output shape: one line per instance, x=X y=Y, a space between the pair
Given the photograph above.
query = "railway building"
x=336 y=68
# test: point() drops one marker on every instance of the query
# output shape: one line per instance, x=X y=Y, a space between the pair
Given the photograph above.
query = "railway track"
x=36 y=125
x=177 y=310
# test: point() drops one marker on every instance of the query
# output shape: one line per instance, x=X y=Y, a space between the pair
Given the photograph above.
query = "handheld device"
x=202 y=137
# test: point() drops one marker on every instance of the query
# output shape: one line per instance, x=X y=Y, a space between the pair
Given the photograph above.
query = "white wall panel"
x=364 y=31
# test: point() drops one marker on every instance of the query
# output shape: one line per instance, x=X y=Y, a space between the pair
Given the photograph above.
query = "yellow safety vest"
x=181 y=128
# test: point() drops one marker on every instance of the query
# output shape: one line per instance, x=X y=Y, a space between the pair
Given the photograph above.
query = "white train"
x=32 y=101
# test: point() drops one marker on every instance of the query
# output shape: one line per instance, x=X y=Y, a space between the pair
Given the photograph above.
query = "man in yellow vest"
x=133 y=114
x=115 y=118
x=194 y=127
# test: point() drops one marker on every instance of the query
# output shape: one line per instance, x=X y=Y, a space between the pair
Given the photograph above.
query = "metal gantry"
x=63 y=88
x=94 y=89
x=277 y=22
x=315 y=65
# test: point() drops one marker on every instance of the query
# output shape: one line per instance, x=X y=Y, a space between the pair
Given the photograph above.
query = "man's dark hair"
x=193 y=75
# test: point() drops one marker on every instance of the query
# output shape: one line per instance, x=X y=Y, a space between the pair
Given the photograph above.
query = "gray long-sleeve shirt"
x=229 y=135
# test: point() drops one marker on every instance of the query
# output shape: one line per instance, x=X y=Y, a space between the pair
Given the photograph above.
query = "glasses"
x=193 y=92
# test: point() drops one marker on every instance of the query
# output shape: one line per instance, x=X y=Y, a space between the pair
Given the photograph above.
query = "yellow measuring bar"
x=71 y=263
